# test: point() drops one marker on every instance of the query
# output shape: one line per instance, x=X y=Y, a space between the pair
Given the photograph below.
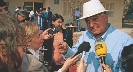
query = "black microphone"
x=84 y=47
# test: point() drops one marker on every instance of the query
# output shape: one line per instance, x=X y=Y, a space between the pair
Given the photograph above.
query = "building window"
x=28 y=6
x=56 y=1
x=109 y=6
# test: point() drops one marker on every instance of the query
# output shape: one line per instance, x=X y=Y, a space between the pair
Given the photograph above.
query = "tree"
x=128 y=11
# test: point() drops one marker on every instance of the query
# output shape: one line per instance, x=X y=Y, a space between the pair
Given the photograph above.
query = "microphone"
x=84 y=47
x=101 y=51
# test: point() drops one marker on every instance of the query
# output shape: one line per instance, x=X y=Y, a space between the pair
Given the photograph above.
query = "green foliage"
x=129 y=14
x=130 y=10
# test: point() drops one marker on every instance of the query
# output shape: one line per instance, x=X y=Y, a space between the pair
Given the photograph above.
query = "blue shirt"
x=115 y=41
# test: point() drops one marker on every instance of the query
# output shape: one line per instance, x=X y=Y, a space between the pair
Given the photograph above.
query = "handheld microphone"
x=83 y=54
x=101 y=51
x=84 y=47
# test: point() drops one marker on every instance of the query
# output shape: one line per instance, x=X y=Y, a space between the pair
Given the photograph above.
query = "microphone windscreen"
x=85 y=46
x=101 y=49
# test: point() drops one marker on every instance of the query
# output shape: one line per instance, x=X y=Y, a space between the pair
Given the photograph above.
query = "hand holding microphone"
x=84 y=47
x=81 y=67
x=101 y=51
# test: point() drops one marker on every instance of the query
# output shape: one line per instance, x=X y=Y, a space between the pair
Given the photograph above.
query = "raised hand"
x=81 y=67
x=46 y=35
x=71 y=60
x=107 y=68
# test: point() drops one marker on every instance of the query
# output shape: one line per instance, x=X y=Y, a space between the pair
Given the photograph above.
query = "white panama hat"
x=93 y=7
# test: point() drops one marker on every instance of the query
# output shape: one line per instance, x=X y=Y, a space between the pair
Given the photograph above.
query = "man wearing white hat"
x=99 y=29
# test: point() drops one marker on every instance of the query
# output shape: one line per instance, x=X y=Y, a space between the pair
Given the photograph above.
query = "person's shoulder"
x=51 y=12
x=85 y=33
x=32 y=61
x=121 y=34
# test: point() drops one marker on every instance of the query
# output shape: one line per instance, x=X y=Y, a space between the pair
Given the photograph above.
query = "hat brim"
x=107 y=12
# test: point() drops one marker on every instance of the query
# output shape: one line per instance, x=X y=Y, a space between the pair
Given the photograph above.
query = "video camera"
x=53 y=30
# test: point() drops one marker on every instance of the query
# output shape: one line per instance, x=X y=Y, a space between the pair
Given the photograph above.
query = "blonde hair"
x=31 y=29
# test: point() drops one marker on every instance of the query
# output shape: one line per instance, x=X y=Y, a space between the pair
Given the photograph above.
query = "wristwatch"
x=59 y=70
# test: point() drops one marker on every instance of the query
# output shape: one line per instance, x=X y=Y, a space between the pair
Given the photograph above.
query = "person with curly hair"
x=12 y=42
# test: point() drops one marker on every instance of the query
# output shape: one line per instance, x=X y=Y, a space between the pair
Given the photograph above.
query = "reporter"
x=33 y=59
x=12 y=36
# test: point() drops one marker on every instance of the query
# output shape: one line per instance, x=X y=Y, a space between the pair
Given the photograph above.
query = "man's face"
x=47 y=9
x=21 y=18
x=4 y=10
x=1 y=8
x=40 y=14
x=41 y=9
x=77 y=9
x=98 y=24
x=58 y=23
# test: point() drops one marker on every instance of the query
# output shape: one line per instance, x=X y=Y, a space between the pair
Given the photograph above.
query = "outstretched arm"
x=81 y=66
x=71 y=60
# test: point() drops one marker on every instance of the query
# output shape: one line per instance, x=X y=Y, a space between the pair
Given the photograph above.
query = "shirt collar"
x=39 y=16
x=35 y=53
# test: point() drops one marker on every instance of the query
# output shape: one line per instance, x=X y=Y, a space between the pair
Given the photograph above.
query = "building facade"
x=66 y=8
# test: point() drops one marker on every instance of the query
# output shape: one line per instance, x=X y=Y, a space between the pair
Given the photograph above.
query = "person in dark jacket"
x=49 y=17
x=52 y=55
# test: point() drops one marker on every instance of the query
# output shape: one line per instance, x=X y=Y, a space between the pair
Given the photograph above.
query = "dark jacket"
x=48 y=44
x=49 y=15
x=43 y=22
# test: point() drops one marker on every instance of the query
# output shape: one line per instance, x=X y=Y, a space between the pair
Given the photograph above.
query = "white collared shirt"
x=35 y=53
x=40 y=25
